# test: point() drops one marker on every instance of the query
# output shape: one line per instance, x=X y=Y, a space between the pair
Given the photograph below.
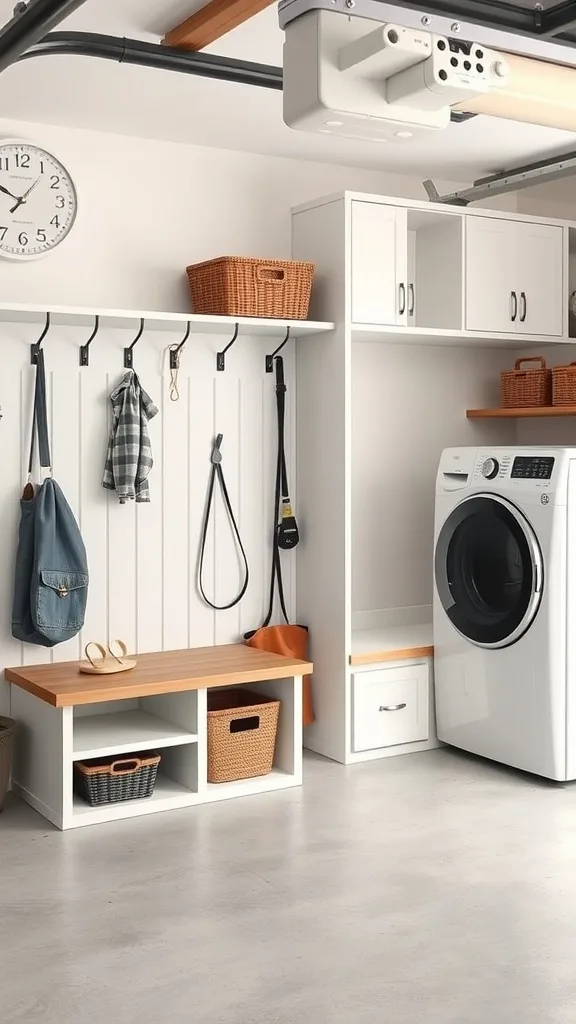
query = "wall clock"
x=38 y=201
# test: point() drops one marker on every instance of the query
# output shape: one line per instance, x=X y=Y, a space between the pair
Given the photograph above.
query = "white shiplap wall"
x=143 y=558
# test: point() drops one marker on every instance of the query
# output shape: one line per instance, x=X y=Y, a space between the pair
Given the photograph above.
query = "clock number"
x=55 y=222
x=60 y=202
x=23 y=238
x=41 y=167
x=3 y=230
x=41 y=235
x=55 y=181
x=22 y=160
x=4 y=163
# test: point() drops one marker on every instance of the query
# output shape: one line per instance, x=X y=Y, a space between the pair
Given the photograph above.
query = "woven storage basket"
x=522 y=388
x=242 y=730
x=7 y=731
x=241 y=286
x=564 y=384
x=107 y=780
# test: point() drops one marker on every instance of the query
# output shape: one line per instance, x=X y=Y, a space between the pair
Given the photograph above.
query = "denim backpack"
x=51 y=581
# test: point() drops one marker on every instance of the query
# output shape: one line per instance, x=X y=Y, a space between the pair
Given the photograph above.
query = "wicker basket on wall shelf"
x=242 y=286
x=524 y=388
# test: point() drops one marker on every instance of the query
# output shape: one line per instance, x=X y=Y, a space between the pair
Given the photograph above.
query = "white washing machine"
x=505 y=605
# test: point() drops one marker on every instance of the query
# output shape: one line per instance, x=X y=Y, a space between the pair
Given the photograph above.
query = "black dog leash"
x=216 y=460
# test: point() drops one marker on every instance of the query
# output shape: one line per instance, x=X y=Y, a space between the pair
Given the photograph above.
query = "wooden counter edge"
x=124 y=690
x=402 y=654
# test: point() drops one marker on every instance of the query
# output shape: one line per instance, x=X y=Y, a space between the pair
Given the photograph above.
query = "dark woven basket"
x=108 y=780
x=7 y=731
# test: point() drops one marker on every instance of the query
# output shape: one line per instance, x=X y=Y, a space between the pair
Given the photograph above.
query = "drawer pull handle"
x=391 y=707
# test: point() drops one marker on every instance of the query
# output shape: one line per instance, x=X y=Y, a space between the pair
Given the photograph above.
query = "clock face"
x=37 y=201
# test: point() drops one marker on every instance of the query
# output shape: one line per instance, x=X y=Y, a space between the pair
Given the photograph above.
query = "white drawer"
x=390 y=706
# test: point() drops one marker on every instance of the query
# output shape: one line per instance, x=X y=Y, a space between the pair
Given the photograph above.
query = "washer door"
x=489 y=571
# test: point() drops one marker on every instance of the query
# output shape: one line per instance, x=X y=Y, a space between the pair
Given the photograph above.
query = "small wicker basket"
x=522 y=388
x=564 y=384
x=107 y=780
x=241 y=286
x=242 y=730
x=7 y=732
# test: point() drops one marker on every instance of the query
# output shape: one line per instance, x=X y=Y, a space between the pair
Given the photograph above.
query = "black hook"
x=128 y=361
x=35 y=346
x=221 y=356
x=175 y=351
x=270 y=358
x=84 y=349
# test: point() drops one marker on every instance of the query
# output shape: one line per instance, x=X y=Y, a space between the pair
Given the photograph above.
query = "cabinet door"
x=379 y=264
x=539 y=278
x=490 y=275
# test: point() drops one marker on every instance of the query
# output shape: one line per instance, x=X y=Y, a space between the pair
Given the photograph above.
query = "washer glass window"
x=488 y=568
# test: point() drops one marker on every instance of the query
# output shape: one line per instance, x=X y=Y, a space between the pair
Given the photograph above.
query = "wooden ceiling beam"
x=211 y=22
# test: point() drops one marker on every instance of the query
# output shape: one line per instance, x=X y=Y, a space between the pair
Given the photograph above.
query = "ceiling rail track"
x=555 y=22
x=30 y=23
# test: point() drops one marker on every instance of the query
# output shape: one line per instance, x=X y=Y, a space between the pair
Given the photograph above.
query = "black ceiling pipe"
x=153 y=55
x=32 y=23
x=166 y=58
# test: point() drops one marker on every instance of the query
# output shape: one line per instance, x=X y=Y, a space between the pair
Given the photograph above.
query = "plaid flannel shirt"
x=129 y=455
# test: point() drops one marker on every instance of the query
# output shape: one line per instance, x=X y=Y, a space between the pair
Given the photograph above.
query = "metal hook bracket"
x=221 y=356
x=128 y=353
x=85 y=349
x=35 y=346
x=175 y=351
x=272 y=356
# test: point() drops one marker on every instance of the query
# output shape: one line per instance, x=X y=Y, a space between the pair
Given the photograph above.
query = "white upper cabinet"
x=540 y=286
x=380 y=292
x=514 y=277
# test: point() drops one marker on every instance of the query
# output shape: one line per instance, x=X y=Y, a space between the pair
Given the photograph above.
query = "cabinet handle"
x=402 y=298
x=392 y=707
x=523 y=307
x=411 y=299
x=513 y=306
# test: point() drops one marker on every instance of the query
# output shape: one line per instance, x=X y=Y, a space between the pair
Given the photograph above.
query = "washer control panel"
x=532 y=467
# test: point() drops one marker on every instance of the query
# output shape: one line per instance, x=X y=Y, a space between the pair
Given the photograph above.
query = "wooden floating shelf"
x=532 y=411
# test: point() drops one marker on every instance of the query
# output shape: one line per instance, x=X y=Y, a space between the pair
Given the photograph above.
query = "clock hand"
x=6 y=192
x=23 y=198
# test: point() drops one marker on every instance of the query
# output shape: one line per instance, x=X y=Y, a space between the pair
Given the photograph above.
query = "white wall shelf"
x=125 y=732
x=395 y=335
x=78 y=316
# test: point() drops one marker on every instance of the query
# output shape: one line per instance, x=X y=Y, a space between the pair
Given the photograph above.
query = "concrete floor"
x=425 y=889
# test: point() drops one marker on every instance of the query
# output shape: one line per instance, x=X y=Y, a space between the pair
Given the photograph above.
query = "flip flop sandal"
x=109 y=661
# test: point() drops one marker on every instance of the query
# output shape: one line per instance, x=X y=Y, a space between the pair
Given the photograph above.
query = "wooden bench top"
x=63 y=685
x=392 y=643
